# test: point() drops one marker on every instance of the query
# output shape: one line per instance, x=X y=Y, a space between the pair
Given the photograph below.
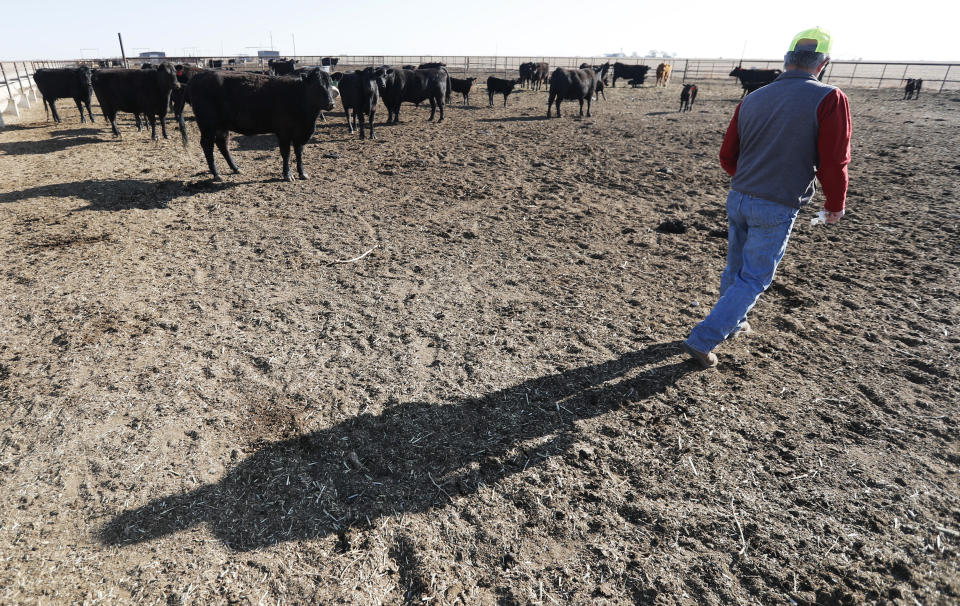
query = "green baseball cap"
x=815 y=40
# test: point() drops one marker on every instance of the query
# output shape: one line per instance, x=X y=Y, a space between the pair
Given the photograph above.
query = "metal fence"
x=17 y=88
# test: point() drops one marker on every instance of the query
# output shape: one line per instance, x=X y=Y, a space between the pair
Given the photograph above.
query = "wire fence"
x=18 y=89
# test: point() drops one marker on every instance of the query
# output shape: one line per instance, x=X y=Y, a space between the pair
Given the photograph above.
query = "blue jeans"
x=758 y=233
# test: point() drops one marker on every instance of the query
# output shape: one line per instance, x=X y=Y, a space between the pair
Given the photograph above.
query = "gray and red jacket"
x=784 y=134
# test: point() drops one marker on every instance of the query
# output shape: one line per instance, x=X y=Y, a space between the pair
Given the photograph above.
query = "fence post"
x=6 y=81
x=30 y=83
x=853 y=73
x=25 y=96
x=944 y=81
x=882 y=74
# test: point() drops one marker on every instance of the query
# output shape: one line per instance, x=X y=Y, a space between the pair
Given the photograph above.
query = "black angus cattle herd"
x=288 y=105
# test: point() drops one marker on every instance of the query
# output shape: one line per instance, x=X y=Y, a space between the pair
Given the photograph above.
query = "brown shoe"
x=706 y=360
x=742 y=330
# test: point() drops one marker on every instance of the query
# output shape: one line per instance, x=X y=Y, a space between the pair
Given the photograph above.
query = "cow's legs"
x=505 y=99
x=153 y=126
x=285 y=154
x=491 y=97
x=111 y=116
x=553 y=96
x=433 y=109
x=163 y=125
x=373 y=110
x=358 y=117
x=298 y=150
x=223 y=145
x=581 y=107
x=346 y=112
x=206 y=143
x=440 y=106
x=53 y=110
x=589 y=101
x=83 y=119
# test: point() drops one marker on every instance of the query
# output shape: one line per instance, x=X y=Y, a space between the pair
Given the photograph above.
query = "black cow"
x=254 y=105
x=913 y=87
x=541 y=74
x=433 y=65
x=179 y=96
x=282 y=67
x=414 y=86
x=602 y=71
x=462 y=86
x=752 y=79
x=637 y=73
x=360 y=91
x=331 y=61
x=573 y=84
x=527 y=71
x=215 y=63
x=66 y=83
x=687 y=96
x=409 y=67
x=499 y=86
x=138 y=91
x=600 y=86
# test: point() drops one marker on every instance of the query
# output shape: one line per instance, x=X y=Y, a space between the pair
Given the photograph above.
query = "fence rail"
x=17 y=86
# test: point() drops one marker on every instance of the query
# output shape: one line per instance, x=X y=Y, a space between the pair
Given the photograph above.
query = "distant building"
x=153 y=55
x=268 y=53
x=614 y=55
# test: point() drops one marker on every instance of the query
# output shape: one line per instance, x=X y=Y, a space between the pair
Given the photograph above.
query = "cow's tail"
x=446 y=98
x=46 y=111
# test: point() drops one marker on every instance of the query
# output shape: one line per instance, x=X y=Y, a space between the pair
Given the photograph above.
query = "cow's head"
x=86 y=75
x=322 y=88
x=380 y=75
x=167 y=75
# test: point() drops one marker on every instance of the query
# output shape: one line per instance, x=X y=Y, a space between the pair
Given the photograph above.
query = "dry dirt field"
x=202 y=403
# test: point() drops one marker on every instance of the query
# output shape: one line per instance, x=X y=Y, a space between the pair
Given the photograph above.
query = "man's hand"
x=833 y=217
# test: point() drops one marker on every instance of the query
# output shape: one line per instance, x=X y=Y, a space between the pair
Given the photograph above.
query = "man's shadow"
x=411 y=458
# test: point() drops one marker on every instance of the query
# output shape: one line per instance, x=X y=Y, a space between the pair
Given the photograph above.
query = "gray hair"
x=804 y=58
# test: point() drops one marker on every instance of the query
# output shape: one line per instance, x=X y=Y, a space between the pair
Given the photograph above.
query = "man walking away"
x=780 y=137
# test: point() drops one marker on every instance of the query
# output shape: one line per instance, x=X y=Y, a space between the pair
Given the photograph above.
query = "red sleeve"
x=833 y=147
x=730 y=150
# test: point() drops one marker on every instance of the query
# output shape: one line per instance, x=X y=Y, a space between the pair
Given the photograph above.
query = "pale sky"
x=920 y=30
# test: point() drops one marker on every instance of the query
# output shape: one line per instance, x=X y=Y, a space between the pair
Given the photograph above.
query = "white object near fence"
x=17 y=87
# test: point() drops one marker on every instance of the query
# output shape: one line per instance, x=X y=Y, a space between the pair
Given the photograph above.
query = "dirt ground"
x=210 y=395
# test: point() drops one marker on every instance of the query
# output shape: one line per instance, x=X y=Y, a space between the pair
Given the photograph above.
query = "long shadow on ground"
x=45 y=146
x=122 y=194
x=76 y=132
x=411 y=458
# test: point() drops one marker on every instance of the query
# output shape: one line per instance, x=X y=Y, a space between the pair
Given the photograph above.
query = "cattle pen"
x=16 y=82
x=446 y=367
